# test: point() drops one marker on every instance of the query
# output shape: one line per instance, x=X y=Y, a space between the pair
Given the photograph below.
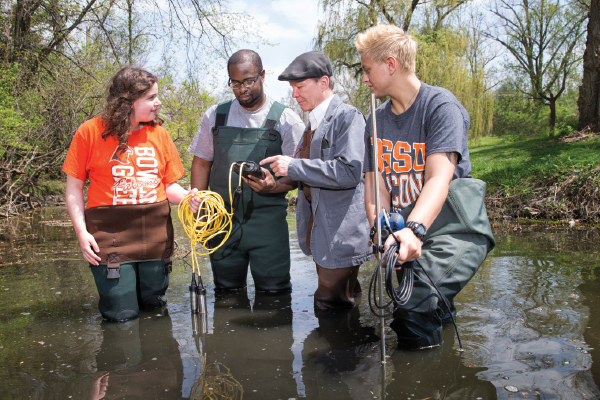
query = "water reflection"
x=442 y=373
x=341 y=350
x=529 y=322
x=138 y=359
x=253 y=340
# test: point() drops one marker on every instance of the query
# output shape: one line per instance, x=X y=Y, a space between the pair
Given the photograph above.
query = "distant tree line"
x=515 y=64
x=521 y=67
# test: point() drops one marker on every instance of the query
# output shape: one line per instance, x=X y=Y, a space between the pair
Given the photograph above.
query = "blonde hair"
x=382 y=41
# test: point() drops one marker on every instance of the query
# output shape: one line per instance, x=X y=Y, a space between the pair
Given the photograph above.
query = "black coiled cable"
x=400 y=295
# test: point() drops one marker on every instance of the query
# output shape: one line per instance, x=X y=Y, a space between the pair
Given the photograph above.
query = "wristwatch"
x=418 y=229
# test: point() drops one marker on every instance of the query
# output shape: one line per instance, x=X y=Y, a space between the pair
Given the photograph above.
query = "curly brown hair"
x=128 y=85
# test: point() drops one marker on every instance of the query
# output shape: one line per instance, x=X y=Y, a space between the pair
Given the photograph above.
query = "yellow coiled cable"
x=211 y=220
x=216 y=383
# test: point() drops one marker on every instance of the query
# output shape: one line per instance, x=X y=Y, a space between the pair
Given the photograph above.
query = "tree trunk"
x=409 y=15
x=589 y=91
x=552 y=105
x=23 y=11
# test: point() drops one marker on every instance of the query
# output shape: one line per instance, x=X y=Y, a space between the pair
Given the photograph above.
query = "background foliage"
x=444 y=50
x=56 y=57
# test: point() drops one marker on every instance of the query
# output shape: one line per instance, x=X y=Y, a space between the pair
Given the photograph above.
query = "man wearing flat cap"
x=331 y=219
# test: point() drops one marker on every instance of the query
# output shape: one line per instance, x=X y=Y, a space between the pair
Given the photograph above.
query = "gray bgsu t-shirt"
x=435 y=123
x=290 y=127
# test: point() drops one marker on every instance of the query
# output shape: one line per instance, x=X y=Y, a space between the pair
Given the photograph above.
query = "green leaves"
x=448 y=55
x=13 y=125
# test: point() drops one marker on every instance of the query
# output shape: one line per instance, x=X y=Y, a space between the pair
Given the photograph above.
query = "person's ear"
x=392 y=64
x=324 y=82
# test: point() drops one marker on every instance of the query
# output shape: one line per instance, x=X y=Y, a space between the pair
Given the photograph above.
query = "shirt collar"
x=316 y=116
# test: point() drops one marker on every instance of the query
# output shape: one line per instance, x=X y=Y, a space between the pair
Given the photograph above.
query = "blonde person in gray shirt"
x=249 y=128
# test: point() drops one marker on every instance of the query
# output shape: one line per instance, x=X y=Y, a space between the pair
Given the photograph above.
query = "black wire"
x=373 y=296
x=400 y=295
x=447 y=304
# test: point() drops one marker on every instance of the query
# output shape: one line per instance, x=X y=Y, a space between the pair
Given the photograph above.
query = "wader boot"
x=259 y=235
x=140 y=285
x=454 y=247
x=336 y=288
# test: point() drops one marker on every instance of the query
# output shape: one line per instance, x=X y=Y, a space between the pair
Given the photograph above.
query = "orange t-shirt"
x=132 y=174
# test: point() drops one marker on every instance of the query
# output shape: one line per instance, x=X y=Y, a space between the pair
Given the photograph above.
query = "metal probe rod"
x=377 y=208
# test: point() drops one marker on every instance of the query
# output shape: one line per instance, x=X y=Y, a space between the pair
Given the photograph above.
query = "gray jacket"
x=340 y=232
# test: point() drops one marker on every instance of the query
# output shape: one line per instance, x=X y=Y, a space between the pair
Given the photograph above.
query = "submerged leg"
x=118 y=297
x=153 y=284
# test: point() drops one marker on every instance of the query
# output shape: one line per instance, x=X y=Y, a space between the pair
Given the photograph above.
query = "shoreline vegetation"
x=54 y=73
x=549 y=181
x=540 y=181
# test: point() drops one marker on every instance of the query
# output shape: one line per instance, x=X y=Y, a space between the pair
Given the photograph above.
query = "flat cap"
x=313 y=64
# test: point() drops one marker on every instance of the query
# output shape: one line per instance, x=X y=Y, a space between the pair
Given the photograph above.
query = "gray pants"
x=455 y=246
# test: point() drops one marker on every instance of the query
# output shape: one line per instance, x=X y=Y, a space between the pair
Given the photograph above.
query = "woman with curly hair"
x=125 y=231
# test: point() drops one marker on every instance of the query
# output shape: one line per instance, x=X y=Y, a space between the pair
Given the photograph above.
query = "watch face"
x=417 y=228
x=420 y=229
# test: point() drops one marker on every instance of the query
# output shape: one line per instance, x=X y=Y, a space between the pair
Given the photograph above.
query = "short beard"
x=253 y=100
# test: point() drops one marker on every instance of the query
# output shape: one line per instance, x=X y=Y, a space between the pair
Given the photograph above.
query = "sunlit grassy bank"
x=541 y=178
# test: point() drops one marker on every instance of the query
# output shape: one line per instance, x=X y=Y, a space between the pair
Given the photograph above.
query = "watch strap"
x=418 y=229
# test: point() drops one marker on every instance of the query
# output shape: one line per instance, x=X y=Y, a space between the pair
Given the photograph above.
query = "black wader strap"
x=167 y=262
x=222 y=116
x=273 y=118
x=114 y=266
x=270 y=124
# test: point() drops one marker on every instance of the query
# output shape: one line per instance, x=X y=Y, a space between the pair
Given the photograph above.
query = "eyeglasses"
x=247 y=82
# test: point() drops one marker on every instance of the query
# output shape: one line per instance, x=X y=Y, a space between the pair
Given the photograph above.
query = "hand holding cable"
x=210 y=220
x=204 y=217
x=398 y=296
x=410 y=245
x=391 y=262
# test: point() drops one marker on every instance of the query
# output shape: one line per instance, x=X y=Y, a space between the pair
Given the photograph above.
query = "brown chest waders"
x=136 y=244
x=132 y=233
x=259 y=236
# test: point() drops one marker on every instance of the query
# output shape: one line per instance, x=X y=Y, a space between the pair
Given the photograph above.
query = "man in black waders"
x=248 y=128
x=424 y=175
x=331 y=221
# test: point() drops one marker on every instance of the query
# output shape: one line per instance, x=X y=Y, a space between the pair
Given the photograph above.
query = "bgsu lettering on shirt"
x=135 y=172
x=402 y=165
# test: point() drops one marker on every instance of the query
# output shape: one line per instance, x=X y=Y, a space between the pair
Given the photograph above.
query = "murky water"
x=528 y=322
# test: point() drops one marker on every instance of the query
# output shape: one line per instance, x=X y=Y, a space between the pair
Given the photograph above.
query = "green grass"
x=517 y=165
